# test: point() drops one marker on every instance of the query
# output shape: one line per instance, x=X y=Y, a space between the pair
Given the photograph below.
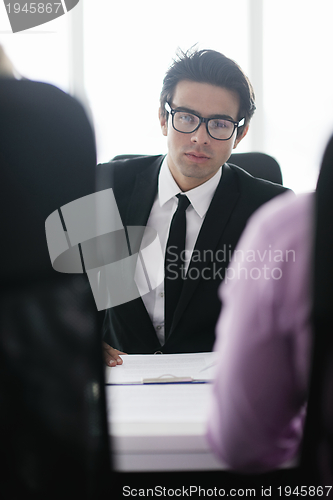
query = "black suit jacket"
x=128 y=327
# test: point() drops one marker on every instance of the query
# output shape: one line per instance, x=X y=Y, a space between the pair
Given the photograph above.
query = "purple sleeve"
x=263 y=338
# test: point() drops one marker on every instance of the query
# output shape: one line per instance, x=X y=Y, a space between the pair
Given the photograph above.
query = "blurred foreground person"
x=53 y=430
x=263 y=339
x=276 y=293
x=7 y=69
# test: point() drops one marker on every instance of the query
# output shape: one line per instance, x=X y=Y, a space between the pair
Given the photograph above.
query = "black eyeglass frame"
x=172 y=112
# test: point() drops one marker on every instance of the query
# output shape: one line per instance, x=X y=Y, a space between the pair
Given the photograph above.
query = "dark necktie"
x=174 y=264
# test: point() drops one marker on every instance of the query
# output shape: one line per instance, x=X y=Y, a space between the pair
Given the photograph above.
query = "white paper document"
x=165 y=368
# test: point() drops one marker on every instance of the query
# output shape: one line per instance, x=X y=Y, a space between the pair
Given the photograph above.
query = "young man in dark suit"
x=205 y=108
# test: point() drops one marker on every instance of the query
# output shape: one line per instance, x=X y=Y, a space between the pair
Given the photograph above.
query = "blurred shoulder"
x=285 y=218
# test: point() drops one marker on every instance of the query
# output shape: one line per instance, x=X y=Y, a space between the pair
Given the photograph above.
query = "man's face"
x=194 y=158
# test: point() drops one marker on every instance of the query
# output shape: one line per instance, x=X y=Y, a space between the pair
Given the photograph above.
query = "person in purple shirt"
x=264 y=340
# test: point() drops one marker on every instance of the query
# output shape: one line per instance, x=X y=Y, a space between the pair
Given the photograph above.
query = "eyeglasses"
x=220 y=129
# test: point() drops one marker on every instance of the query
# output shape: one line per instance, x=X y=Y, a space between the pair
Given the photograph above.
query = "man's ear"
x=163 y=122
x=241 y=136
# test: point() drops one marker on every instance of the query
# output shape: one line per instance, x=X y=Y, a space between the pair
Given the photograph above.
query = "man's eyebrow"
x=194 y=112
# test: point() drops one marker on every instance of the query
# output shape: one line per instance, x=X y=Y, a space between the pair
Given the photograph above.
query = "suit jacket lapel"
x=216 y=220
x=141 y=201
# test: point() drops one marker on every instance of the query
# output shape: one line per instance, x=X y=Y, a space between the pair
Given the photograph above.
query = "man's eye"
x=186 y=118
x=218 y=124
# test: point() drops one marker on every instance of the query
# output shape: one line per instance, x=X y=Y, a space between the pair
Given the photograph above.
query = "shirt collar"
x=200 y=197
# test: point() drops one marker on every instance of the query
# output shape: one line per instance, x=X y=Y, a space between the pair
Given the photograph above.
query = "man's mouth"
x=197 y=157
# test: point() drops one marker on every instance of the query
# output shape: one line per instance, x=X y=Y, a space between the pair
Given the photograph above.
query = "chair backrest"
x=317 y=454
x=257 y=164
x=53 y=426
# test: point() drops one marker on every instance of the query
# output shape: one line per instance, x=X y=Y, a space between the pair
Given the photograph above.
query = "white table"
x=160 y=427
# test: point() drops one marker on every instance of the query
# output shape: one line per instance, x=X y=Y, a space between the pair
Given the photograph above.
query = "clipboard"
x=148 y=369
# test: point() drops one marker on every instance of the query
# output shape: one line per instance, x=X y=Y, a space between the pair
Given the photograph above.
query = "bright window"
x=298 y=87
x=127 y=47
x=41 y=53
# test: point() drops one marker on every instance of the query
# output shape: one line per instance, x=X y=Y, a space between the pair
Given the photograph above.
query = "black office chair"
x=317 y=453
x=53 y=427
x=257 y=164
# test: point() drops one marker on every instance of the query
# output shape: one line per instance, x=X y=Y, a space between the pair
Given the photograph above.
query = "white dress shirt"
x=161 y=214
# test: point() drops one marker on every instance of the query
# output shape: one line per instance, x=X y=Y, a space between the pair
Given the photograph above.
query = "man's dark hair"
x=209 y=66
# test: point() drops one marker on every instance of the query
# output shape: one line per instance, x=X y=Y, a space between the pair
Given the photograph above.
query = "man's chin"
x=197 y=172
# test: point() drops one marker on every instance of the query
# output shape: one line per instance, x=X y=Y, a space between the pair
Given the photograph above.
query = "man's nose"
x=201 y=135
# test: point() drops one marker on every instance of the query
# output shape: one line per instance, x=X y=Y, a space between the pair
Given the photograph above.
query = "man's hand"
x=111 y=355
